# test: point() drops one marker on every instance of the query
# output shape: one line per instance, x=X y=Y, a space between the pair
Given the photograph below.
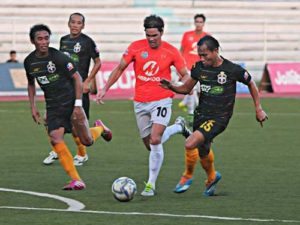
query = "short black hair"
x=210 y=42
x=12 y=52
x=36 y=28
x=154 y=21
x=77 y=14
x=200 y=16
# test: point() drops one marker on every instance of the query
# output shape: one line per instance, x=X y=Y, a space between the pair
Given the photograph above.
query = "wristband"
x=78 y=102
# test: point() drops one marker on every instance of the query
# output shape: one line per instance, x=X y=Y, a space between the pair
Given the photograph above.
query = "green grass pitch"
x=260 y=169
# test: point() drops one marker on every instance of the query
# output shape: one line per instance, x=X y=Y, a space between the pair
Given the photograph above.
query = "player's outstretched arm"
x=261 y=115
x=183 y=88
x=114 y=76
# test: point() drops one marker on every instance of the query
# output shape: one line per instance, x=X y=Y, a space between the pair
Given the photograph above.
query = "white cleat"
x=51 y=158
x=79 y=160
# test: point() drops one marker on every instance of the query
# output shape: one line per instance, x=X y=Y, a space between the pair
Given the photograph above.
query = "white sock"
x=185 y=99
x=156 y=159
x=190 y=104
x=169 y=131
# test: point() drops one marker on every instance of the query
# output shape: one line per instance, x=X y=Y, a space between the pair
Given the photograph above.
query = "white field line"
x=155 y=214
x=73 y=204
x=76 y=206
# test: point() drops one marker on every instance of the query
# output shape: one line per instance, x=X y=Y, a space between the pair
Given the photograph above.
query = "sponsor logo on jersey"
x=222 y=78
x=205 y=88
x=216 y=90
x=51 y=67
x=43 y=80
x=53 y=77
x=150 y=68
x=77 y=47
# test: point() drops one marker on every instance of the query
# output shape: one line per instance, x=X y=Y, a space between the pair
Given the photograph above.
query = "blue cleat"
x=210 y=188
x=183 y=185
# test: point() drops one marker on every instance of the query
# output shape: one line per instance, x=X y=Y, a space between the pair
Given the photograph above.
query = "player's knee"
x=189 y=146
x=155 y=140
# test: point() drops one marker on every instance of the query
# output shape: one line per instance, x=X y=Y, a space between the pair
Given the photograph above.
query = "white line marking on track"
x=155 y=214
x=76 y=206
x=73 y=204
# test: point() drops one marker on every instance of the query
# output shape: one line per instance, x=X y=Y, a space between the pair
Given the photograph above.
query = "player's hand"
x=86 y=87
x=36 y=115
x=261 y=116
x=165 y=84
x=100 y=96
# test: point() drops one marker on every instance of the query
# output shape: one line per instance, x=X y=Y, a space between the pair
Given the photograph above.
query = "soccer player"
x=217 y=77
x=81 y=49
x=152 y=58
x=188 y=49
x=61 y=83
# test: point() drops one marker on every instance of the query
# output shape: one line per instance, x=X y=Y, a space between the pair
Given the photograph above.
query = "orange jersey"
x=150 y=66
x=189 y=45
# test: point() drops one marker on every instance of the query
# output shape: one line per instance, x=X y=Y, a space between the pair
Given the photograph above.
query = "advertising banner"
x=281 y=78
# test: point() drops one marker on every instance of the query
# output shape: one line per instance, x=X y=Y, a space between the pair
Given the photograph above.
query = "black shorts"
x=60 y=117
x=210 y=127
x=86 y=104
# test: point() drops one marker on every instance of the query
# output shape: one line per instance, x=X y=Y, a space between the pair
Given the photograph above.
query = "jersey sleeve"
x=60 y=44
x=30 y=79
x=195 y=71
x=183 y=40
x=242 y=75
x=94 y=49
x=129 y=54
x=67 y=65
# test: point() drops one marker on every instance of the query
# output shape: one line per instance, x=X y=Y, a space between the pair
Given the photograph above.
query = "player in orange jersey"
x=152 y=60
x=188 y=50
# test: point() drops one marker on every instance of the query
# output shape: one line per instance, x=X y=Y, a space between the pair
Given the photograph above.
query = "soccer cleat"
x=79 y=160
x=185 y=131
x=148 y=191
x=106 y=134
x=183 y=185
x=211 y=187
x=182 y=106
x=50 y=158
x=74 y=185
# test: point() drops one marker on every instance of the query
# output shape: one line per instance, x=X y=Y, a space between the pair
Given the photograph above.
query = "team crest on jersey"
x=144 y=55
x=222 y=78
x=51 y=67
x=77 y=47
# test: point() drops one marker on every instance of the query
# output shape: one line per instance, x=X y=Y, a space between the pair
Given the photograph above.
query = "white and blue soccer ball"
x=124 y=189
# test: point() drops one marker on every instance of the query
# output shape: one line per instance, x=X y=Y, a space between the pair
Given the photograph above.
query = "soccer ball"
x=124 y=189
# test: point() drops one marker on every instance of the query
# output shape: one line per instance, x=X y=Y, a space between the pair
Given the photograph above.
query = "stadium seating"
x=251 y=32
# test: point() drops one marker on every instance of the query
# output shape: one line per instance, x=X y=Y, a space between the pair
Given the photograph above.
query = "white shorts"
x=147 y=113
